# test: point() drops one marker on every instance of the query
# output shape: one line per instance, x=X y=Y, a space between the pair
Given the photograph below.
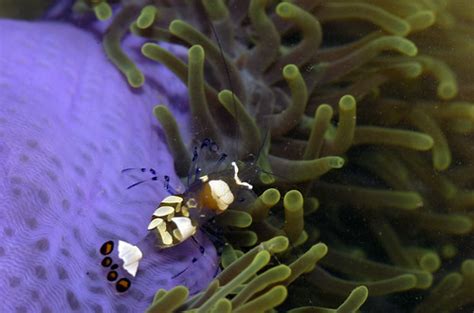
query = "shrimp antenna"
x=227 y=72
x=165 y=180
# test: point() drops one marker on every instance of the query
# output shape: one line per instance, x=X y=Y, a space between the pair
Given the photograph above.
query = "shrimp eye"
x=107 y=248
x=123 y=285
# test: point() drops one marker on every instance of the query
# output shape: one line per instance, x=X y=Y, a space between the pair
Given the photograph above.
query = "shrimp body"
x=177 y=218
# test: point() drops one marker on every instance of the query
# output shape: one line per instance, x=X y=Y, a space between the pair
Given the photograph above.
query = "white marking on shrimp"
x=237 y=179
x=130 y=255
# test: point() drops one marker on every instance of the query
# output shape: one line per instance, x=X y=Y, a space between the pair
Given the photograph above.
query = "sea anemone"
x=292 y=77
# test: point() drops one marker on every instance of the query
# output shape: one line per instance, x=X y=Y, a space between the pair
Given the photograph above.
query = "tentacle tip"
x=441 y=162
x=361 y=293
x=102 y=11
x=135 y=78
x=146 y=48
x=196 y=52
x=176 y=26
x=271 y=196
x=266 y=179
x=285 y=9
x=336 y=162
x=290 y=71
x=224 y=96
x=146 y=17
x=347 y=102
x=160 y=112
x=467 y=267
x=404 y=29
x=430 y=262
x=407 y=47
x=447 y=90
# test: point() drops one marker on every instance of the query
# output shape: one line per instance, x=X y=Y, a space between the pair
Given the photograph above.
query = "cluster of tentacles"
x=399 y=215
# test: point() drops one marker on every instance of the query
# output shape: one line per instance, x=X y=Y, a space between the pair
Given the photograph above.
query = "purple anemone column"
x=69 y=123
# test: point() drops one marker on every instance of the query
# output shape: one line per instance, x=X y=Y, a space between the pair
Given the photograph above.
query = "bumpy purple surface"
x=68 y=124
